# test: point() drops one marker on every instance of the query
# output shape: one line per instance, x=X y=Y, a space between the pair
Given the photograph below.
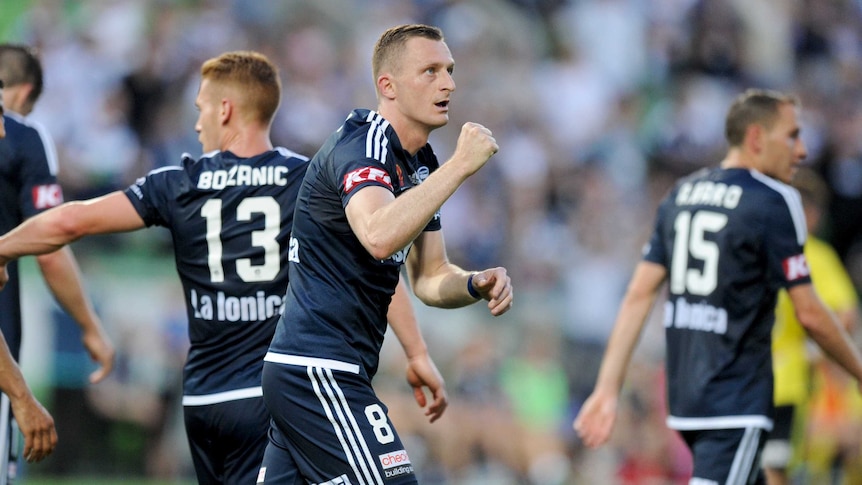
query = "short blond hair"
x=254 y=74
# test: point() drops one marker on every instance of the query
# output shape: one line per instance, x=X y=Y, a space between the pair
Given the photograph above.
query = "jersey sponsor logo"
x=366 y=174
x=243 y=175
x=702 y=317
x=47 y=196
x=796 y=267
x=293 y=250
x=226 y=308
x=395 y=464
x=400 y=257
x=261 y=475
x=706 y=192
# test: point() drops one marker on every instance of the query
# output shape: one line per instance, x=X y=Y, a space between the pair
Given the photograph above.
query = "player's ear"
x=385 y=86
x=226 y=110
x=754 y=135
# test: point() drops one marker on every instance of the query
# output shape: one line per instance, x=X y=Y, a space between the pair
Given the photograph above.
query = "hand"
x=595 y=421
x=101 y=350
x=475 y=146
x=37 y=426
x=421 y=372
x=495 y=286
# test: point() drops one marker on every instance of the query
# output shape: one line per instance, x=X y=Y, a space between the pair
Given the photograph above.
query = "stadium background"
x=597 y=106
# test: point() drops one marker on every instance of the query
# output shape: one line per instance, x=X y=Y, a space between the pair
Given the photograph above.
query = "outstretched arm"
x=597 y=416
x=421 y=371
x=36 y=424
x=49 y=232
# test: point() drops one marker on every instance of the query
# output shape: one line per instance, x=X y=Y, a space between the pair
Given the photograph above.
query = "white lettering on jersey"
x=293 y=251
x=242 y=175
x=47 y=196
x=796 y=267
x=706 y=192
x=228 y=308
x=695 y=316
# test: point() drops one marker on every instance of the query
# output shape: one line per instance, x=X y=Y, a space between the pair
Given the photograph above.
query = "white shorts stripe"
x=360 y=436
x=311 y=362
x=219 y=397
x=719 y=422
x=743 y=461
x=325 y=404
x=5 y=439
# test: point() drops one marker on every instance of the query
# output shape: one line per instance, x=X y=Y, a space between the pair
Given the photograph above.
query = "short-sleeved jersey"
x=730 y=239
x=789 y=340
x=230 y=219
x=28 y=185
x=339 y=294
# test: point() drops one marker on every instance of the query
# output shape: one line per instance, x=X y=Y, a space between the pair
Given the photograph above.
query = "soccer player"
x=369 y=204
x=791 y=362
x=28 y=185
x=230 y=213
x=37 y=426
x=727 y=239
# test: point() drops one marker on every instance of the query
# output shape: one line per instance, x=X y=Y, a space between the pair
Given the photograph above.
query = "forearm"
x=835 y=342
x=403 y=322
x=446 y=288
x=38 y=235
x=11 y=379
x=622 y=342
x=62 y=275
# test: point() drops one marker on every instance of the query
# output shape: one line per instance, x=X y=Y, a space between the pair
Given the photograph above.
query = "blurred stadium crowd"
x=597 y=106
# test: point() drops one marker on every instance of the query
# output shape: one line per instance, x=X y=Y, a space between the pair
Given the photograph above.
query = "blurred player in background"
x=790 y=352
x=230 y=213
x=727 y=239
x=28 y=185
x=35 y=423
x=373 y=191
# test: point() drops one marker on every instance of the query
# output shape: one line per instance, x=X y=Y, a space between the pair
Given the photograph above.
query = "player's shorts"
x=227 y=439
x=9 y=443
x=779 y=450
x=328 y=427
x=726 y=456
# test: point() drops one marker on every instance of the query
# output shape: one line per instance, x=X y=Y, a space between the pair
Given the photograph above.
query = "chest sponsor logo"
x=229 y=308
x=366 y=174
x=47 y=196
x=796 y=267
x=701 y=317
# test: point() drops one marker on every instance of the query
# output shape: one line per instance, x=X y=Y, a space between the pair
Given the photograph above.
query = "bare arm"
x=61 y=274
x=385 y=225
x=49 y=232
x=36 y=424
x=421 y=371
x=439 y=283
x=595 y=421
x=824 y=328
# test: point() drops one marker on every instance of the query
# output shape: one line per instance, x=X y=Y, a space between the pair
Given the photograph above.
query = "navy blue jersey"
x=730 y=239
x=339 y=294
x=230 y=219
x=28 y=185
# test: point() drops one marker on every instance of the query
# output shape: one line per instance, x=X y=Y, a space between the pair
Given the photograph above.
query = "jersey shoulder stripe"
x=44 y=136
x=376 y=141
x=288 y=153
x=793 y=201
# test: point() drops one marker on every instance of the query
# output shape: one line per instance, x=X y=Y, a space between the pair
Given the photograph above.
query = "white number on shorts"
x=377 y=419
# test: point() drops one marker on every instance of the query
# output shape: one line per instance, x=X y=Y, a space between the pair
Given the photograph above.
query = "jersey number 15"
x=690 y=241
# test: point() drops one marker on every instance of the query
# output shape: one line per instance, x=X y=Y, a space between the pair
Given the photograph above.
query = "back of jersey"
x=727 y=238
x=230 y=219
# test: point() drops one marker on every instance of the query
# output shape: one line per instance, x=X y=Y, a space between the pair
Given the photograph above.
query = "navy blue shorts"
x=227 y=440
x=328 y=427
x=726 y=456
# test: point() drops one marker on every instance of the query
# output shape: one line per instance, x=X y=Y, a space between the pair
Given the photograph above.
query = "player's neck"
x=246 y=144
x=411 y=135
x=737 y=158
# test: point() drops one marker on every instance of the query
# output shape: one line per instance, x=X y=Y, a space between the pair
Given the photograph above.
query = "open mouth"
x=442 y=104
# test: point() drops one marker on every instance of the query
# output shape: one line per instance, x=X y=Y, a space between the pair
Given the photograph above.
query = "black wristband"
x=472 y=291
